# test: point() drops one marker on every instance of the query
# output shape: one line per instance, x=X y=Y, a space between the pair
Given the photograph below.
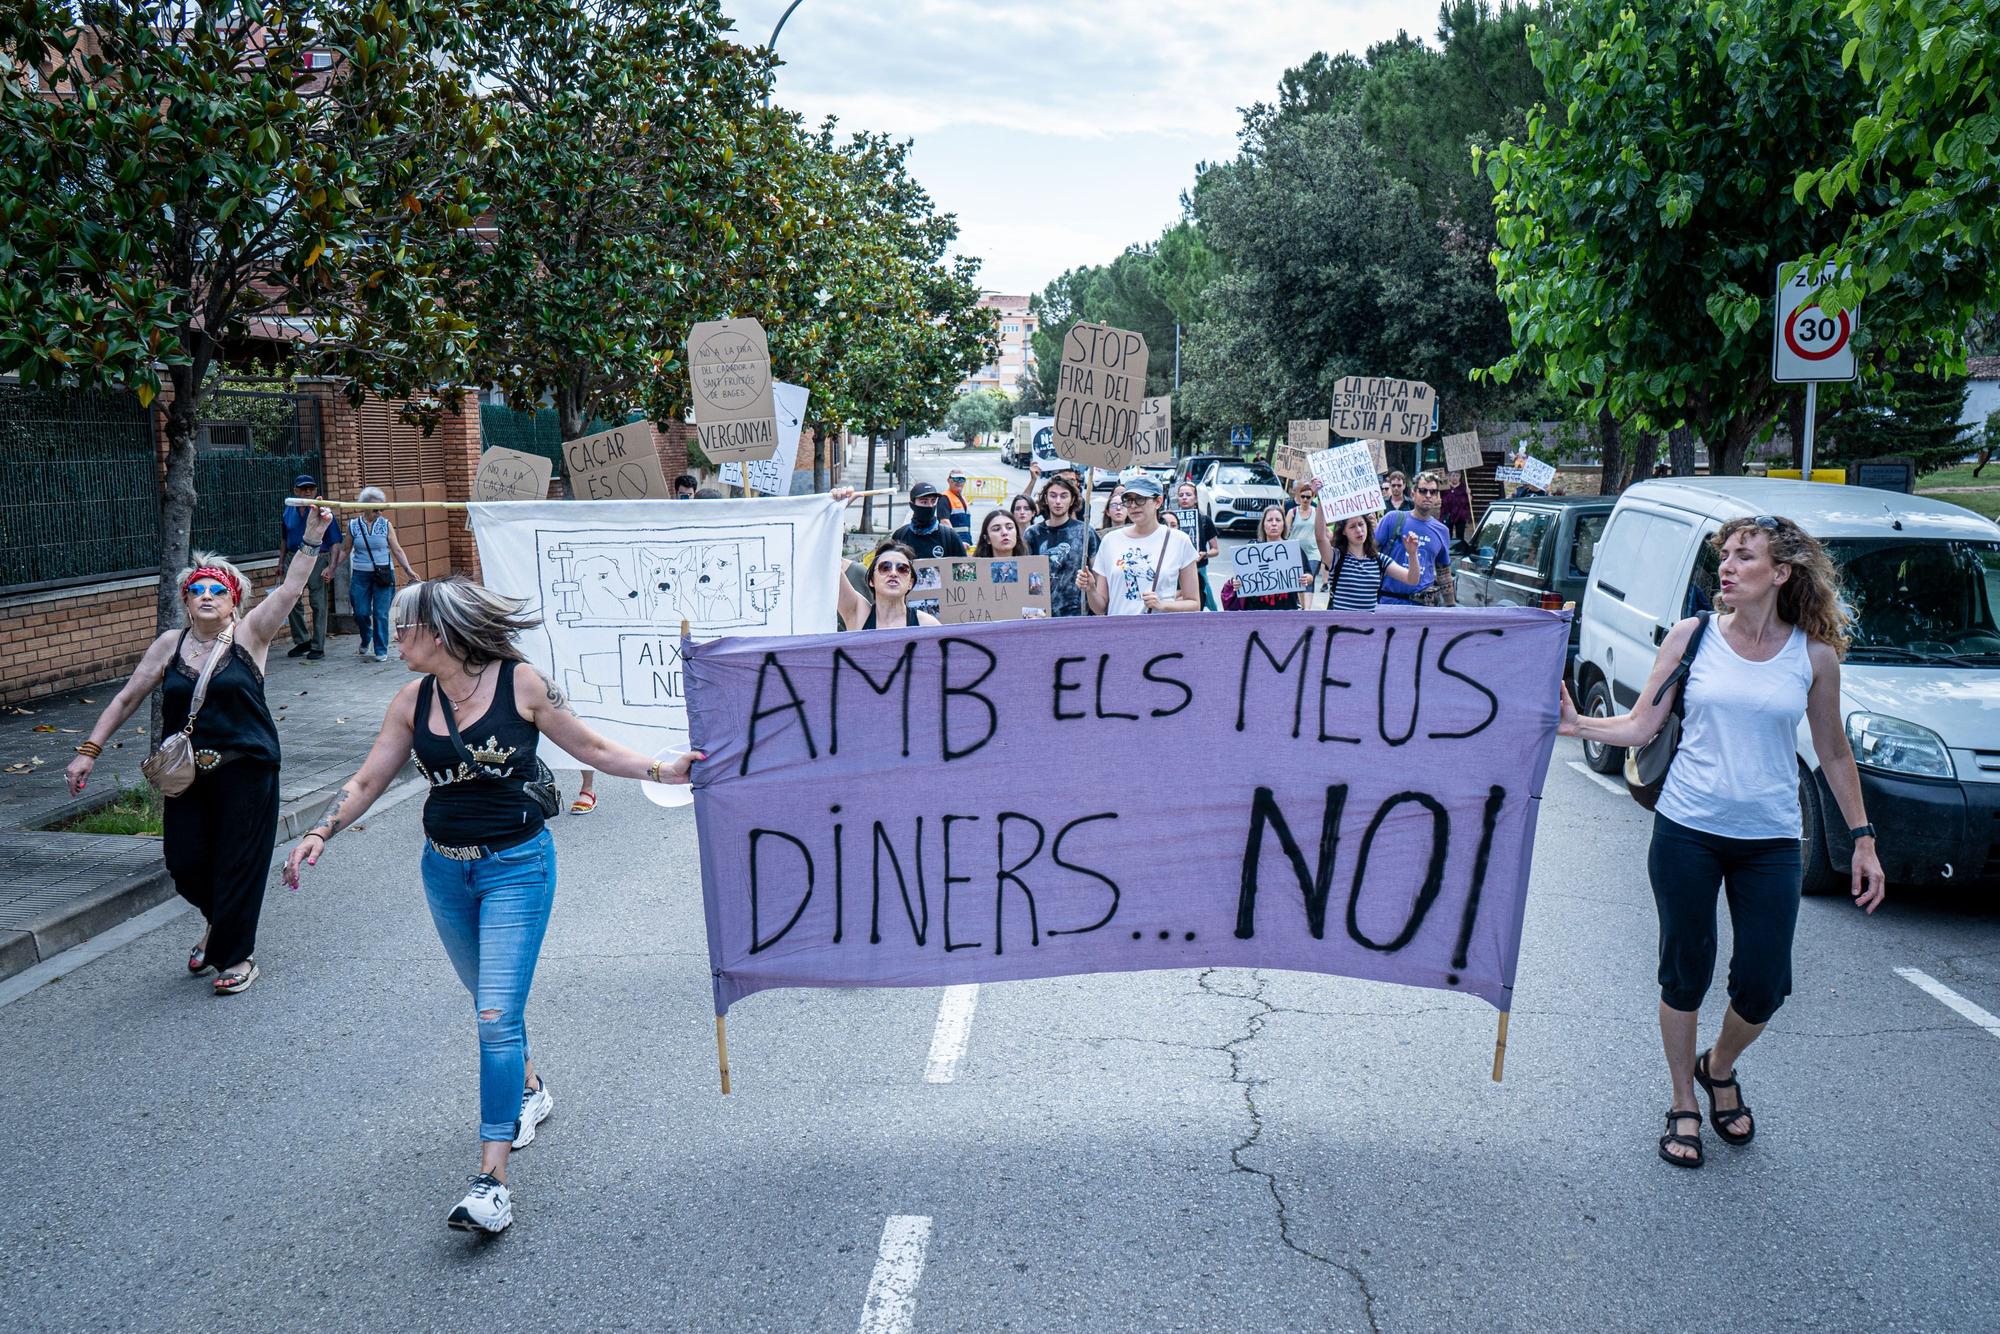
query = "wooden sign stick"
x=722 y=1050
x=1499 y=1053
x=297 y=502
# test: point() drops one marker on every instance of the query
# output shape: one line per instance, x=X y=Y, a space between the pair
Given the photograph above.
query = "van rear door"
x=1638 y=584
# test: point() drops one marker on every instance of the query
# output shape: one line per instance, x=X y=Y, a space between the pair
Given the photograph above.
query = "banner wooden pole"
x=299 y=503
x=722 y=1050
x=1499 y=1053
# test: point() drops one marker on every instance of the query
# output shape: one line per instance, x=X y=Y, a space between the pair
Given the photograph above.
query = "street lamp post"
x=772 y=45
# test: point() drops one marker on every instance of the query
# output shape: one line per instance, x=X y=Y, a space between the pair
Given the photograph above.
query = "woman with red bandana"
x=218 y=834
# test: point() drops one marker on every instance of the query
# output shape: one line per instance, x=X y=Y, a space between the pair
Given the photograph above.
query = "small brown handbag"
x=171 y=769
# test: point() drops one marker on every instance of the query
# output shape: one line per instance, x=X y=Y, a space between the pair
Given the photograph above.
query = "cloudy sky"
x=1059 y=131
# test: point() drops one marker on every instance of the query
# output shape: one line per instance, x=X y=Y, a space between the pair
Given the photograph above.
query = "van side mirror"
x=1459 y=548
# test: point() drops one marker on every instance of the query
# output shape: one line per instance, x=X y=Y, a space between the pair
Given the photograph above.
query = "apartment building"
x=1017 y=348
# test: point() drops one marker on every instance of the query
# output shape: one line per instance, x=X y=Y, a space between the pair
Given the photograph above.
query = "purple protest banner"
x=958 y=804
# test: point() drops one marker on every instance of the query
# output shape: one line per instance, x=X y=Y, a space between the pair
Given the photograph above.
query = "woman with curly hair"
x=1728 y=814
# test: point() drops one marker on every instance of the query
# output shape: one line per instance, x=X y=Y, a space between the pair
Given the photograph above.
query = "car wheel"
x=1600 y=757
x=1816 y=874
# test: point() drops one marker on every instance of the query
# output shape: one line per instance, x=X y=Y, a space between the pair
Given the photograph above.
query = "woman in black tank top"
x=216 y=837
x=473 y=724
x=892 y=570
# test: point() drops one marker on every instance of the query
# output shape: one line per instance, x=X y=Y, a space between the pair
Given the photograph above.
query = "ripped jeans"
x=491 y=915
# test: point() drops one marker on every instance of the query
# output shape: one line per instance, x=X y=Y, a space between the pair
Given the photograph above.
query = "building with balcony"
x=1016 y=326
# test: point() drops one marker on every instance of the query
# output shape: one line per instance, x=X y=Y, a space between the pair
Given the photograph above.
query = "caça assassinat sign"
x=882 y=810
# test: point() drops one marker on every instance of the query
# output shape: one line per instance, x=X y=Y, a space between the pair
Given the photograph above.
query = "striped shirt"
x=1357 y=583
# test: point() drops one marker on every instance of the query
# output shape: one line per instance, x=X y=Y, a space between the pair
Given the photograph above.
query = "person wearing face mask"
x=926 y=534
x=892 y=573
x=1066 y=539
x=1433 y=587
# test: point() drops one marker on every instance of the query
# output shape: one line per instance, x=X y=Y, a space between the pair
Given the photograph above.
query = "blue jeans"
x=371 y=610
x=491 y=915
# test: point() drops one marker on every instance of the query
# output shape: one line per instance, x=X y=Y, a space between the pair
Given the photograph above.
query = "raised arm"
x=850 y=603
x=357 y=794
x=145 y=679
x=262 y=622
x=544 y=705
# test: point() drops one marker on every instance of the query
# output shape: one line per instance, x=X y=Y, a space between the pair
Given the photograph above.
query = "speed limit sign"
x=1807 y=343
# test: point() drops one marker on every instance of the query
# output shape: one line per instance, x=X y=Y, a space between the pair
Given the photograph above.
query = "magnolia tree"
x=179 y=175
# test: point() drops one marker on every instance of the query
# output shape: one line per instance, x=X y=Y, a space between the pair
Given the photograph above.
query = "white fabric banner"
x=613 y=579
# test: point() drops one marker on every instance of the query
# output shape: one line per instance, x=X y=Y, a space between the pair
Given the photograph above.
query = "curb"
x=91 y=914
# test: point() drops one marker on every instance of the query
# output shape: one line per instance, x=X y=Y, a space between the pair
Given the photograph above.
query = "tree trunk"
x=819 y=458
x=1728 y=460
x=177 y=501
x=868 y=483
x=1680 y=451
x=1645 y=451
x=1612 y=477
x=569 y=422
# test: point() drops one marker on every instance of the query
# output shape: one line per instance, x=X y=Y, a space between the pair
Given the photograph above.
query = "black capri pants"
x=1761 y=877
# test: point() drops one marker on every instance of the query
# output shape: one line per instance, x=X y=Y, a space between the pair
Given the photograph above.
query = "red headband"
x=227 y=579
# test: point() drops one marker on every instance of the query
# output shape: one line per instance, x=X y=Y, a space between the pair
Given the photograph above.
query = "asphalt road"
x=1219 y=1150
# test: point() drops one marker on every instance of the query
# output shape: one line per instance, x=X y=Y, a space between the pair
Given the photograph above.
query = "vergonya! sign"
x=880 y=809
x=729 y=374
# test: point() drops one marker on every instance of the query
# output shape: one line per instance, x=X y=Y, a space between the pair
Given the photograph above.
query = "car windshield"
x=1244 y=474
x=1920 y=601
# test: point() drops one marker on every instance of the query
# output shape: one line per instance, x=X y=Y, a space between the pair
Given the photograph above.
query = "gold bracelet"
x=654 y=771
x=90 y=749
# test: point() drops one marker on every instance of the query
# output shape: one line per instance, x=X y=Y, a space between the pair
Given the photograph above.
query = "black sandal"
x=1684 y=1141
x=1725 y=1119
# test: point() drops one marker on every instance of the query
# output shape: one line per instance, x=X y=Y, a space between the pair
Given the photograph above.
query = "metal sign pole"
x=1806 y=450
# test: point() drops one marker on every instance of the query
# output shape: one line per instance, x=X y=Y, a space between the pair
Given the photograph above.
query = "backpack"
x=1646 y=766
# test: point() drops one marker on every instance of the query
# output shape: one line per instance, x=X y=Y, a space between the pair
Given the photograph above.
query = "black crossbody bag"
x=1646 y=766
x=541 y=789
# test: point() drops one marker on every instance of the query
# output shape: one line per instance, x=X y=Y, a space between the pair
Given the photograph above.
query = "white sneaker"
x=487 y=1207
x=536 y=1104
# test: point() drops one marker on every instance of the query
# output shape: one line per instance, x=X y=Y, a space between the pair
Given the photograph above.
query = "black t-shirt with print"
x=1068 y=548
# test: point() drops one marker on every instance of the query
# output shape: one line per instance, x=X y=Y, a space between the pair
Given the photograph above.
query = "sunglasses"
x=1768 y=522
x=1427 y=491
x=892 y=567
x=208 y=590
x=398 y=630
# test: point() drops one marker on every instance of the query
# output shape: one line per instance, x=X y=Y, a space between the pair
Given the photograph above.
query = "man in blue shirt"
x=319 y=588
x=1433 y=568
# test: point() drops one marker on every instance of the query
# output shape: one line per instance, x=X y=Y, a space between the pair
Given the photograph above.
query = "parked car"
x=1919 y=690
x=1191 y=468
x=1233 y=493
x=1533 y=551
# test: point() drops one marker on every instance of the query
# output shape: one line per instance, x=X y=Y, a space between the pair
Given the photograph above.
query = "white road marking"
x=1605 y=781
x=954 y=1027
x=899 y=1264
x=1923 y=981
x=101 y=944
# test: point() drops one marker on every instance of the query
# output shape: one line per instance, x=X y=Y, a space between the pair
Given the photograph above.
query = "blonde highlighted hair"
x=1810 y=598
x=210 y=560
x=475 y=624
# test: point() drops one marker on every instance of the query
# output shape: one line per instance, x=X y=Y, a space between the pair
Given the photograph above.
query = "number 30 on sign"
x=1807 y=343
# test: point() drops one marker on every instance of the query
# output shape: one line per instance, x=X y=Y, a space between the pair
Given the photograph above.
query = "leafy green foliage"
x=1918 y=176
x=982 y=412
x=179 y=175
x=1641 y=222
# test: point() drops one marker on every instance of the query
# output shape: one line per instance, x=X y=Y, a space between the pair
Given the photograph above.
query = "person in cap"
x=956 y=507
x=1144 y=566
x=925 y=534
x=319 y=586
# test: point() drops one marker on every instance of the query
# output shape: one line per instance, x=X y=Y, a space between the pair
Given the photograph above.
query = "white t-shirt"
x=1127 y=565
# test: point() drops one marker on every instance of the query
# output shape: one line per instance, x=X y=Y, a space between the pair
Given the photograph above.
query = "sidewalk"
x=57 y=890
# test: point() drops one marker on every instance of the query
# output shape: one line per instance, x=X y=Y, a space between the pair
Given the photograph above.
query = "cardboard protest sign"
x=1375 y=819
x=1349 y=483
x=1373 y=405
x=511 y=474
x=1309 y=435
x=773 y=476
x=613 y=581
x=1264 y=568
x=1100 y=389
x=1462 y=452
x=729 y=371
x=1153 y=439
x=1378 y=453
x=1289 y=462
x=619 y=464
x=1190 y=522
x=962 y=590
x=1523 y=468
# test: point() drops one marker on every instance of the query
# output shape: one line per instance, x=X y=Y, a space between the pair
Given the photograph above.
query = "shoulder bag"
x=383 y=575
x=1646 y=766
x=171 y=769
x=541 y=789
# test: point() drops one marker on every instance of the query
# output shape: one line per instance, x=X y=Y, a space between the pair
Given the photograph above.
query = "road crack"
x=1250 y=1084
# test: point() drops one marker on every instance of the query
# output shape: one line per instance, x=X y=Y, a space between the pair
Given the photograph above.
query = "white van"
x=1920 y=689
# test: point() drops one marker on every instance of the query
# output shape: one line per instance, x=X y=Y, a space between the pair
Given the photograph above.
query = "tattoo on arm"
x=559 y=701
x=329 y=819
